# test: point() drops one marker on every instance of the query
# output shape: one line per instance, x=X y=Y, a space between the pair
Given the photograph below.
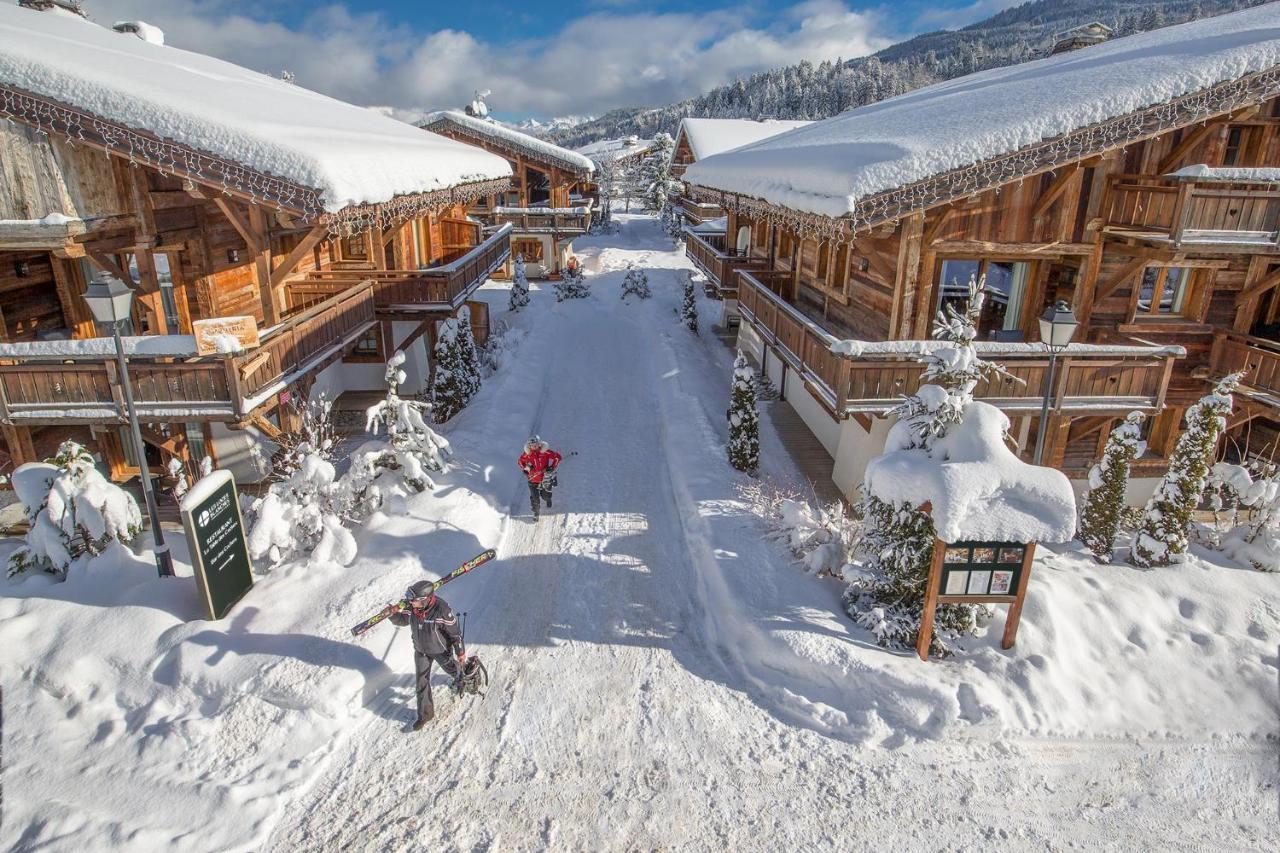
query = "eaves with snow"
x=183 y=111
x=885 y=159
x=613 y=150
x=708 y=137
x=495 y=132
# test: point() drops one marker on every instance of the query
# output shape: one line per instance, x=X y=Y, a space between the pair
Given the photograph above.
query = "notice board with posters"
x=216 y=536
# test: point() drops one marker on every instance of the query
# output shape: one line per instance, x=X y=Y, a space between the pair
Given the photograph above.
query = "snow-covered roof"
x=1226 y=174
x=343 y=154
x=832 y=165
x=606 y=150
x=710 y=136
x=502 y=135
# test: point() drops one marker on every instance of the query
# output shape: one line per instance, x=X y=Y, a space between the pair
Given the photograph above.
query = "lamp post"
x=110 y=301
x=1057 y=326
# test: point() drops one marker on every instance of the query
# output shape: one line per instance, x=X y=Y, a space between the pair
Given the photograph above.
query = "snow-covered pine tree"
x=573 y=285
x=636 y=283
x=1100 y=518
x=1162 y=538
x=689 y=305
x=744 y=420
x=402 y=464
x=899 y=537
x=457 y=376
x=519 y=285
x=72 y=510
x=657 y=183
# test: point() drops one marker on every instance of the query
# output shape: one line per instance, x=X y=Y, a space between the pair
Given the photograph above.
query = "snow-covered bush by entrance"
x=402 y=464
x=636 y=283
x=950 y=451
x=689 y=304
x=1254 y=490
x=72 y=510
x=302 y=514
x=1162 y=538
x=744 y=421
x=519 y=285
x=457 y=374
x=316 y=435
x=572 y=286
x=1100 y=518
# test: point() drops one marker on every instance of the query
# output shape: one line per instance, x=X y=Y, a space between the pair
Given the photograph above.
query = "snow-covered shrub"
x=822 y=538
x=457 y=374
x=573 y=285
x=401 y=464
x=672 y=222
x=887 y=596
x=183 y=482
x=1100 y=519
x=72 y=510
x=502 y=341
x=744 y=421
x=302 y=515
x=315 y=435
x=519 y=285
x=689 y=305
x=1255 y=490
x=636 y=283
x=1162 y=538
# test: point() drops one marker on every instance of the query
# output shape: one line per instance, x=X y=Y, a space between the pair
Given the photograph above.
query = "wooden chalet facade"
x=546 y=204
x=201 y=236
x=1165 y=241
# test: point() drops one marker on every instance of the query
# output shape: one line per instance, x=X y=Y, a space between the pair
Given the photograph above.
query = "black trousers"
x=422 y=663
x=538 y=492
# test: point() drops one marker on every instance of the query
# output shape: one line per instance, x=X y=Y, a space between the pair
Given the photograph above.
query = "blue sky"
x=538 y=58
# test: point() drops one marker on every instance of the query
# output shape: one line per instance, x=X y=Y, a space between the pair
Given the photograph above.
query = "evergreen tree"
x=1104 y=505
x=689 y=306
x=519 y=285
x=636 y=283
x=457 y=376
x=658 y=185
x=1166 y=522
x=572 y=286
x=744 y=421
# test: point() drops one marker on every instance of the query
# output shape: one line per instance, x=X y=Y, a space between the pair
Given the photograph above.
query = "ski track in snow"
x=630 y=710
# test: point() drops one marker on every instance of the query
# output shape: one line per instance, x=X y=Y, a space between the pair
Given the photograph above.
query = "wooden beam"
x=1191 y=140
x=1259 y=287
x=421 y=329
x=300 y=251
x=907 y=280
x=931 y=233
x=108 y=263
x=1055 y=190
x=241 y=224
x=271 y=304
x=1015 y=249
x=1126 y=272
x=268 y=429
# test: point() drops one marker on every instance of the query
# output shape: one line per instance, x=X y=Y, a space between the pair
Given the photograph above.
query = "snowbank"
x=828 y=167
x=1227 y=174
x=349 y=154
x=979 y=489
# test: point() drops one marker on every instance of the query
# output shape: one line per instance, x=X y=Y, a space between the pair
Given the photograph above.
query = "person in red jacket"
x=539 y=464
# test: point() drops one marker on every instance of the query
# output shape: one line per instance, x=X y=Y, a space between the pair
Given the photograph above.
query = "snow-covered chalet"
x=217 y=192
x=545 y=204
x=1137 y=178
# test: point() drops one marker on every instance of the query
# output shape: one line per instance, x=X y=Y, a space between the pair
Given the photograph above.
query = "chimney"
x=1078 y=37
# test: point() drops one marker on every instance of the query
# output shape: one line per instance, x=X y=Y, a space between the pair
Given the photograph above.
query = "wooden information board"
x=976 y=573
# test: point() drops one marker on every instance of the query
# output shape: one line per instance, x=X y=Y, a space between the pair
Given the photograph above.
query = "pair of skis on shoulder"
x=403 y=605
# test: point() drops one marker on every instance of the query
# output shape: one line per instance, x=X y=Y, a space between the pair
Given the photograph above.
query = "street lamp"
x=110 y=301
x=1057 y=326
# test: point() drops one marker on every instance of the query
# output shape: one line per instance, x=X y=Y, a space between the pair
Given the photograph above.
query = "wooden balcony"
x=409 y=292
x=1258 y=357
x=1186 y=213
x=698 y=212
x=544 y=220
x=83 y=386
x=1089 y=380
x=708 y=254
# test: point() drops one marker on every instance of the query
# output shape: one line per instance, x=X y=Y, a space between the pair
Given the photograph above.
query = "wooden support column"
x=69 y=281
x=906 y=285
x=20 y=445
x=260 y=245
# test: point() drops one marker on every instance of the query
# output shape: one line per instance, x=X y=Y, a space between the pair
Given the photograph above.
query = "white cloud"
x=608 y=58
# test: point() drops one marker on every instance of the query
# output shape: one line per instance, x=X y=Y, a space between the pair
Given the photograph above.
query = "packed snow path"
x=618 y=719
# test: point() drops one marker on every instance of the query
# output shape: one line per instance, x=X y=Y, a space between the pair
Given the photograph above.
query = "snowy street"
x=625 y=710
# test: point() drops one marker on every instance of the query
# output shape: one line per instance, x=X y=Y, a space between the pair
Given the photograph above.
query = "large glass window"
x=1165 y=291
x=1006 y=286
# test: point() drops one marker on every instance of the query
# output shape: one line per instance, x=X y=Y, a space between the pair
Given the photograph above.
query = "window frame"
x=1189 y=309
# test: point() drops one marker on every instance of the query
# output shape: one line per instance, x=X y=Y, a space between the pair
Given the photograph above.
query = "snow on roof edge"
x=495 y=130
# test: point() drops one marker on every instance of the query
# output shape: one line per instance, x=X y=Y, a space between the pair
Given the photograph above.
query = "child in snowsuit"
x=539 y=463
x=436 y=637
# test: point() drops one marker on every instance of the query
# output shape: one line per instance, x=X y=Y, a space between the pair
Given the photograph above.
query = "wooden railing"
x=1088 y=380
x=441 y=288
x=1186 y=211
x=698 y=211
x=559 y=220
x=84 y=386
x=708 y=254
x=1258 y=357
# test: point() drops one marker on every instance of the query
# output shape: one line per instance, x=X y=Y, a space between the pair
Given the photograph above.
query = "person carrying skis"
x=539 y=464
x=436 y=637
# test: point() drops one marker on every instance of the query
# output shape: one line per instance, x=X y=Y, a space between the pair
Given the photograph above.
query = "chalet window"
x=1241 y=147
x=1235 y=139
x=1165 y=292
x=786 y=245
x=1006 y=286
x=531 y=249
x=824 y=253
x=369 y=346
x=353 y=247
x=760 y=239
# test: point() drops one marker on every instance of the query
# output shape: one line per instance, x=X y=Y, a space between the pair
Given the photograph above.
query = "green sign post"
x=215 y=534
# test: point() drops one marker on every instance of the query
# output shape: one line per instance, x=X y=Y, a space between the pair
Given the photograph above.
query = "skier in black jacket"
x=436 y=637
